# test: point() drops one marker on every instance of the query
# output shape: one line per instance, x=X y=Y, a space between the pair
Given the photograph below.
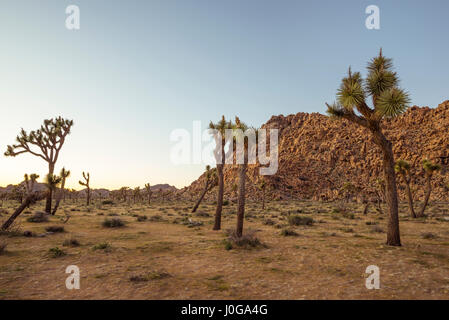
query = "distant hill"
x=318 y=155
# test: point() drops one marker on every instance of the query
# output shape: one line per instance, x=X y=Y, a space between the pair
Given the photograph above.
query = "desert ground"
x=164 y=252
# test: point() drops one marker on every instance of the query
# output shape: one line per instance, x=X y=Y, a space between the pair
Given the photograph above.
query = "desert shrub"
x=289 y=233
x=156 y=218
x=113 y=223
x=56 y=252
x=3 y=246
x=102 y=246
x=202 y=214
x=142 y=218
x=107 y=202
x=248 y=240
x=343 y=211
x=72 y=242
x=54 y=229
x=38 y=217
x=296 y=220
x=152 y=275
x=112 y=214
x=268 y=222
x=376 y=229
x=428 y=235
x=28 y=233
x=371 y=223
x=226 y=202
x=3 y=211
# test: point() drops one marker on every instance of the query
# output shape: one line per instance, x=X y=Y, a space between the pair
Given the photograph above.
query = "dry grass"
x=168 y=257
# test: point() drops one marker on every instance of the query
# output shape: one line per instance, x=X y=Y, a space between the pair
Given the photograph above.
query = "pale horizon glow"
x=137 y=70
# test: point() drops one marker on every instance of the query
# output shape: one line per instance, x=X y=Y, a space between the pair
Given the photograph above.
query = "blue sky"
x=136 y=70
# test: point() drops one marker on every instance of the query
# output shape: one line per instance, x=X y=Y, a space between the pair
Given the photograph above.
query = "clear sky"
x=136 y=70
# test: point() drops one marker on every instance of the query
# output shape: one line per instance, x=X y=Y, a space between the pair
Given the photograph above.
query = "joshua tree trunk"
x=427 y=196
x=263 y=199
x=410 y=199
x=241 y=199
x=206 y=188
x=217 y=225
x=51 y=169
x=88 y=196
x=59 y=198
x=30 y=199
x=393 y=235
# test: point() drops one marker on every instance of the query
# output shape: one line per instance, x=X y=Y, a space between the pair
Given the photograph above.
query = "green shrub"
x=113 y=223
x=289 y=233
x=142 y=218
x=56 y=252
x=38 y=217
x=296 y=220
x=54 y=229
x=102 y=246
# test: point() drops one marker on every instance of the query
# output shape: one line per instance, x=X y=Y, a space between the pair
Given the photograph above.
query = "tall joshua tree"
x=86 y=183
x=218 y=131
x=241 y=128
x=402 y=168
x=149 y=192
x=429 y=168
x=211 y=177
x=45 y=143
x=388 y=101
x=64 y=175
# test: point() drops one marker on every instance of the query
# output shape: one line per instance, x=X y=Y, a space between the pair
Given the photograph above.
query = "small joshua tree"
x=86 y=183
x=402 y=168
x=52 y=182
x=388 y=101
x=45 y=143
x=348 y=189
x=30 y=182
x=262 y=185
x=64 y=175
x=124 y=193
x=136 y=194
x=211 y=181
x=218 y=131
x=429 y=168
x=149 y=192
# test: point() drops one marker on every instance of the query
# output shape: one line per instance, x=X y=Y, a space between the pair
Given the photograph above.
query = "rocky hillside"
x=318 y=155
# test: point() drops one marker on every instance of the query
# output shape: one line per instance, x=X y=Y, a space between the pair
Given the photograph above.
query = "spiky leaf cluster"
x=381 y=84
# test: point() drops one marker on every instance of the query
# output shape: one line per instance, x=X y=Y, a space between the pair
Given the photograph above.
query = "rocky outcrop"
x=318 y=155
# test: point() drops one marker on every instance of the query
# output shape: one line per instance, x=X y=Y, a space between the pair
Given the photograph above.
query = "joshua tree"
x=29 y=200
x=86 y=183
x=348 y=189
x=429 y=168
x=30 y=181
x=241 y=128
x=123 y=193
x=402 y=168
x=136 y=194
x=262 y=187
x=211 y=177
x=218 y=131
x=51 y=183
x=388 y=101
x=149 y=192
x=64 y=175
x=45 y=143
